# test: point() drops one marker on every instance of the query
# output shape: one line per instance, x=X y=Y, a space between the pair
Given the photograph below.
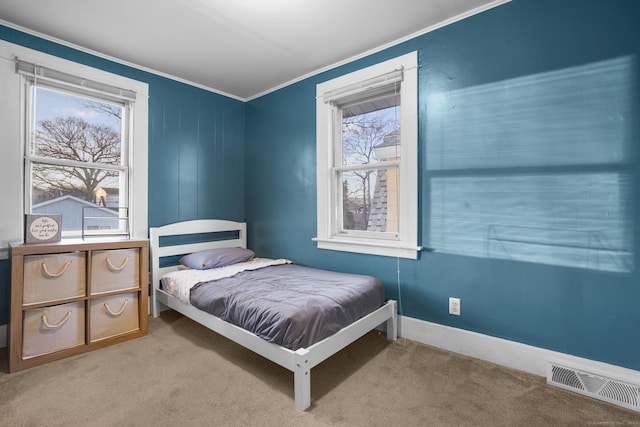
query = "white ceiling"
x=239 y=48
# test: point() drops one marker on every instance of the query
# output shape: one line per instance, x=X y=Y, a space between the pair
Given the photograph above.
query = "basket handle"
x=59 y=273
x=120 y=267
x=57 y=325
x=119 y=312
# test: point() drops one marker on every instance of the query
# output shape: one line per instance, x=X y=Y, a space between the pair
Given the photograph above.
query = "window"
x=75 y=155
x=76 y=141
x=367 y=160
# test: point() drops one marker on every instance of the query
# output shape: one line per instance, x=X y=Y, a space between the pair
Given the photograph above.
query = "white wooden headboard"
x=199 y=226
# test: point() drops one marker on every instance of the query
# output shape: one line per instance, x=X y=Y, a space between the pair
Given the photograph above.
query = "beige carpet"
x=185 y=375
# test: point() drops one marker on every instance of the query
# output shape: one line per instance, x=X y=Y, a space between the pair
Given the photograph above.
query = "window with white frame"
x=367 y=160
x=80 y=137
x=76 y=161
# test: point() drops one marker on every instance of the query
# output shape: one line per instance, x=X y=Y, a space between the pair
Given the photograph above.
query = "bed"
x=298 y=356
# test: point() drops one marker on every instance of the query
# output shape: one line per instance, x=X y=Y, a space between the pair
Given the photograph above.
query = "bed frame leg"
x=155 y=305
x=302 y=380
x=392 y=323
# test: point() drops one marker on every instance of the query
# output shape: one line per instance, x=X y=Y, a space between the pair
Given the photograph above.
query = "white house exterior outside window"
x=367 y=160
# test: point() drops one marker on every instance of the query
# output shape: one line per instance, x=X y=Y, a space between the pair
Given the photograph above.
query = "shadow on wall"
x=537 y=168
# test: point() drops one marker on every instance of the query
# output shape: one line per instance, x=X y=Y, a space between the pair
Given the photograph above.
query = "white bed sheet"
x=179 y=283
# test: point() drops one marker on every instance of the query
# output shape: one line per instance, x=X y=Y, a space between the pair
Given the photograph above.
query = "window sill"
x=369 y=247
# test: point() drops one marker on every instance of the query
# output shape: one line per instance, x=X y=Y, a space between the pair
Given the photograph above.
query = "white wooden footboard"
x=307 y=358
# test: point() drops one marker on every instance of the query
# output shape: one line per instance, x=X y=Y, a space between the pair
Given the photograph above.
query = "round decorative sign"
x=43 y=228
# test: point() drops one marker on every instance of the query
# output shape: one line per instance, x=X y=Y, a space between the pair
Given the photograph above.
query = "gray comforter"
x=290 y=305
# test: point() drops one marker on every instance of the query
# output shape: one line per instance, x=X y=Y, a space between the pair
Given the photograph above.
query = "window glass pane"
x=370 y=200
x=69 y=130
x=370 y=131
x=370 y=134
x=67 y=190
x=75 y=128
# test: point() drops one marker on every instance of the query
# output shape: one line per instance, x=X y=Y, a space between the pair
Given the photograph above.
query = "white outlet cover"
x=454 y=306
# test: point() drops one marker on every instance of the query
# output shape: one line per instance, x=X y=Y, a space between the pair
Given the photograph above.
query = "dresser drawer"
x=114 y=315
x=116 y=269
x=50 y=329
x=54 y=277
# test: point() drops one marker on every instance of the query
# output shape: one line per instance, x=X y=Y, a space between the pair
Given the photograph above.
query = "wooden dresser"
x=74 y=296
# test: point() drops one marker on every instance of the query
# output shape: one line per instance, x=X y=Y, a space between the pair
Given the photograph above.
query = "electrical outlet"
x=454 y=306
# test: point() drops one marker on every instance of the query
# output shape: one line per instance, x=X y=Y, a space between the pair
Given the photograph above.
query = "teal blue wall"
x=196 y=147
x=585 y=312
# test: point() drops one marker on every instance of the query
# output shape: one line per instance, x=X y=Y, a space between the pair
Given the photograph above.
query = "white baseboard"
x=503 y=352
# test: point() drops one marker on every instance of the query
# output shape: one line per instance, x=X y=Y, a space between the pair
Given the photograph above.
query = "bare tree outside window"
x=71 y=138
x=100 y=107
x=71 y=131
x=361 y=135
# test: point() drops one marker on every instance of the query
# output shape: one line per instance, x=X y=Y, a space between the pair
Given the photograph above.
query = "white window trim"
x=12 y=137
x=406 y=246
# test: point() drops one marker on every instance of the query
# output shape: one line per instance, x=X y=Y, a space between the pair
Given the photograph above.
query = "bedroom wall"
x=196 y=147
x=527 y=115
